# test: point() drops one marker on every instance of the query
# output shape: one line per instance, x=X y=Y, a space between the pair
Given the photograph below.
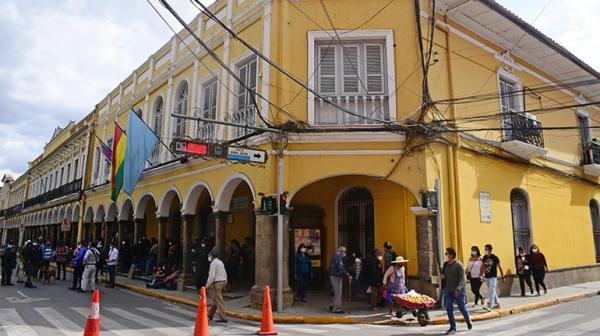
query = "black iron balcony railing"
x=591 y=153
x=518 y=126
x=67 y=189
x=2 y=212
x=13 y=210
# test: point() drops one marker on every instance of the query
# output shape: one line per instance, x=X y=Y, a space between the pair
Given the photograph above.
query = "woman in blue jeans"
x=302 y=270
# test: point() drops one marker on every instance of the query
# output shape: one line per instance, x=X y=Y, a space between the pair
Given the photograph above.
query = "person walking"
x=539 y=267
x=523 y=270
x=21 y=275
x=29 y=257
x=152 y=257
x=490 y=270
x=88 y=278
x=79 y=266
x=374 y=277
x=394 y=280
x=302 y=271
x=8 y=263
x=61 y=260
x=474 y=267
x=337 y=273
x=454 y=274
x=389 y=255
x=217 y=279
x=111 y=264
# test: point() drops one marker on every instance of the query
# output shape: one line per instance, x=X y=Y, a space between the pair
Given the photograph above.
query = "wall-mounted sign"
x=485 y=207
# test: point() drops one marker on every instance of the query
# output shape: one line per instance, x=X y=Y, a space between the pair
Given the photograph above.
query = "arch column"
x=139 y=229
x=266 y=253
x=220 y=240
x=187 y=221
x=162 y=225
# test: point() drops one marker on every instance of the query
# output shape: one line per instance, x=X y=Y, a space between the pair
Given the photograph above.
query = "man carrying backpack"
x=88 y=279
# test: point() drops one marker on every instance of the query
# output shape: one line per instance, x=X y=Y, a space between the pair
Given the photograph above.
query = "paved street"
x=45 y=310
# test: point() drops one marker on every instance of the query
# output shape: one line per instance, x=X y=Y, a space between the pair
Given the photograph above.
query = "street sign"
x=65 y=225
x=246 y=154
x=189 y=147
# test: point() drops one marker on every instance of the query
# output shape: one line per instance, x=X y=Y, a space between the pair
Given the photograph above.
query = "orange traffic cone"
x=92 y=325
x=201 y=328
x=266 y=323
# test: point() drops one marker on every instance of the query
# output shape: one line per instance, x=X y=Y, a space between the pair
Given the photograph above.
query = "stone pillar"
x=220 y=239
x=266 y=261
x=186 y=278
x=137 y=229
x=162 y=224
x=425 y=254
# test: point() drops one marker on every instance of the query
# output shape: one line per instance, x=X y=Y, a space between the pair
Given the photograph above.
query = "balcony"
x=363 y=106
x=64 y=190
x=206 y=132
x=591 y=158
x=15 y=209
x=246 y=116
x=522 y=135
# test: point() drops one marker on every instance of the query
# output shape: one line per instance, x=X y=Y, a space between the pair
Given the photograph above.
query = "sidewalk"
x=237 y=304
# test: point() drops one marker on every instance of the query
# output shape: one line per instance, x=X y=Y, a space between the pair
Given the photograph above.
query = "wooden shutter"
x=350 y=68
x=375 y=68
x=327 y=70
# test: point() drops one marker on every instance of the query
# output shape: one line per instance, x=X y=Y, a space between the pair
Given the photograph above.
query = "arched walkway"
x=169 y=230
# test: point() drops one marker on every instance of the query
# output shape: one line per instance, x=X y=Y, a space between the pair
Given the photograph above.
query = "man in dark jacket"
x=9 y=262
x=337 y=273
x=374 y=272
x=30 y=256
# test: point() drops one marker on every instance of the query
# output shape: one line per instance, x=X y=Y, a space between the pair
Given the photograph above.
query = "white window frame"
x=384 y=34
x=238 y=63
x=205 y=84
x=503 y=76
x=175 y=105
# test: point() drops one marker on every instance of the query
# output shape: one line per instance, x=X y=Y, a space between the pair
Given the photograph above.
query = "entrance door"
x=520 y=219
x=356 y=225
x=596 y=227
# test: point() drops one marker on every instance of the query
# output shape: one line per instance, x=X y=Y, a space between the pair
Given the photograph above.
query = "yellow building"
x=363 y=149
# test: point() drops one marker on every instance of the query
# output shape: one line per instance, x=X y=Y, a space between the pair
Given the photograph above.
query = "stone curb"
x=348 y=320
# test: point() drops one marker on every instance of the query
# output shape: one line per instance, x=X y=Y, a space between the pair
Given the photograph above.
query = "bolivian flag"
x=118 y=159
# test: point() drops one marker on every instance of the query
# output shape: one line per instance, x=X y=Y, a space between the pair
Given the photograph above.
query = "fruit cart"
x=415 y=303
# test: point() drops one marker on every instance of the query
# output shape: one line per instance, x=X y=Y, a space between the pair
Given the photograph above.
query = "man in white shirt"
x=217 y=279
x=111 y=263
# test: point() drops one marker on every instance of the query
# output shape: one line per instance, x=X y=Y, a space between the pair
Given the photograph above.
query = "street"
x=49 y=308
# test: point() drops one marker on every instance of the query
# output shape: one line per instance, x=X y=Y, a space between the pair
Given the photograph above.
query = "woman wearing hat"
x=394 y=280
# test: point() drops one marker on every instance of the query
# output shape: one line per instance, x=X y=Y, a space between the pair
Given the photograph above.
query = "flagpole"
x=151 y=130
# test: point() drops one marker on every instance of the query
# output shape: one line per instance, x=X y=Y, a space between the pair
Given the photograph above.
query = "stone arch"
x=76 y=213
x=88 y=217
x=99 y=217
x=191 y=200
x=140 y=208
x=126 y=209
x=112 y=212
x=165 y=201
x=228 y=187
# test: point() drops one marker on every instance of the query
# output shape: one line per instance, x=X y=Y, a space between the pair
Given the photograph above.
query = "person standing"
x=111 y=264
x=539 y=267
x=79 y=266
x=217 y=279
x=9 y=262
x=389 y=255
x=88 y=279
x=47 y=255
x=490 y=270
x=374 y=276
x=394 y=280
x=29 y=257
x=235 y=261
x=152 y=257
x=302 y=271
x=474 y=273
x=523 y=270
x=454 y=274
x=195 y=262
x=61 y=260
x=337 y=273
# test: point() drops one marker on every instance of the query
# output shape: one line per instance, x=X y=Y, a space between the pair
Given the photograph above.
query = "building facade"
x=367 y=154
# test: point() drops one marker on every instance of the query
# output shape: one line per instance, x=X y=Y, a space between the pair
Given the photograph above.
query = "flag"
x=118 y=158
x=141 y=141
x=105 y=149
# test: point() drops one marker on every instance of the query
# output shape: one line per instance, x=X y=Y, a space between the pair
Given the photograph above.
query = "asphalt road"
x=48 y=309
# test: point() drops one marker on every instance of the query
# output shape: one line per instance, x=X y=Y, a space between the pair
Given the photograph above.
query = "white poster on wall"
x=485 y=207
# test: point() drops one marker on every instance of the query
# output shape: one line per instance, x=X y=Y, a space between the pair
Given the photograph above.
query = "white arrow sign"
x=246 y=155
x=24 y=299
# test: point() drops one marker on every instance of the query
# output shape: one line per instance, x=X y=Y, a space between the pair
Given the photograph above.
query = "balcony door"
x=356 y=223
x=520 y=219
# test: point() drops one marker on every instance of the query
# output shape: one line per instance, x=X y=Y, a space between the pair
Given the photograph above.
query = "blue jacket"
x=337 y=267
x=302 y=264
x=80 y=255
x=47 y=254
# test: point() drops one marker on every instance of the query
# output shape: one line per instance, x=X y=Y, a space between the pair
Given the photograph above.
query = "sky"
x=61 y=57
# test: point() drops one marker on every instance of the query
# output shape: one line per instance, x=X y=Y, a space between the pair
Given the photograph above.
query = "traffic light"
x=268 y=205
x=283 y=202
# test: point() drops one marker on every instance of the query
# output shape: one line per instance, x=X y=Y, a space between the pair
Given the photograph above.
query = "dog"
x=49 y=273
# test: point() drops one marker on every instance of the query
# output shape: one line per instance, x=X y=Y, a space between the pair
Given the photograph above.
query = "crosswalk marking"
x=60 y=322
x=148 y=323
x=300 y=330
x=509 y=320
x=13 y=324
x=593 y=325
x=110 y=325
x=182 y=311
x=170 y=317
x=528 y=327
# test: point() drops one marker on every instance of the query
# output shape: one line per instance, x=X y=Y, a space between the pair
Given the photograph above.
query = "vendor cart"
x=415 y=303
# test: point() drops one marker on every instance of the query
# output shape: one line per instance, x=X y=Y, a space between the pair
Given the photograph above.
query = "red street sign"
x=193 y=148
x=66 y=225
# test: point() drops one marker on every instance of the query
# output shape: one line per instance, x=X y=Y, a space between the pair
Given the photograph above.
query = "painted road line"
x=525 y=328
x=148 y=323
x=167 y=316
x=579 y=329
x=509 y=320
x=109 y=324
x=299 y=330
x=60 y=322
x=182 y=311
x=12 y=323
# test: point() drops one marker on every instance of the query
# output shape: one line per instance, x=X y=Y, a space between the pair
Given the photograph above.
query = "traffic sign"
x=189 y=147
x=246 y=154
x=65 y=225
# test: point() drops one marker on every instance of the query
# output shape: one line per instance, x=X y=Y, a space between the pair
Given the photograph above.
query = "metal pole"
x=438 y=222
x=279 y=233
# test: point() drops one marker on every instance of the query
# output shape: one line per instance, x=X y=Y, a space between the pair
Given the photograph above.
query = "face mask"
x=302 y=250
x=210 y=259
x=203 y=245
x=534 y=250
x=474 y=253
x=380 y=258
x=446 y=258
x=488 y=252
x=344 y=254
